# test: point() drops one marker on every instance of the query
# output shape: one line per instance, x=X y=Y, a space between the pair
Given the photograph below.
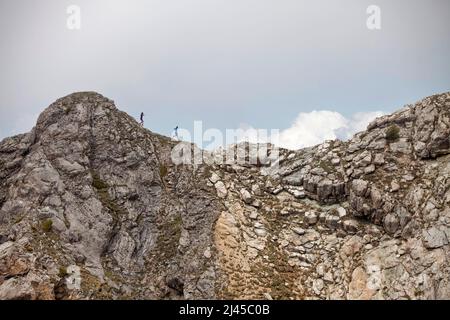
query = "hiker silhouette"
x=142 y=119
x=175 y=133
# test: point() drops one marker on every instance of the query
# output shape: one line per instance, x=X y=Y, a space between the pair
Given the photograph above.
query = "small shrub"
x=68 y=109
x=162 y=170
x=393 y=133
x=98 y=183
x=47 y=225
x=62 y=272
x=169 y=239
x=327 y=166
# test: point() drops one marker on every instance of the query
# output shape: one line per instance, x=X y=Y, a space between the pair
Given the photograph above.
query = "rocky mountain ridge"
x=93 y=207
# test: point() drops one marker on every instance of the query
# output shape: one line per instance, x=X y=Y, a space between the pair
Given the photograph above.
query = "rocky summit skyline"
x=262 y=64
x=93 y=207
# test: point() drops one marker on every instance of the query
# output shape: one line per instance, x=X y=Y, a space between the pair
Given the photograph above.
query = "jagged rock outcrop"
x=88 y=187
x=92 y=206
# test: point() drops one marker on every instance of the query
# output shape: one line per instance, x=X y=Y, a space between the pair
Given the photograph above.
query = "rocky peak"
x=424 y=125
x=92 y=206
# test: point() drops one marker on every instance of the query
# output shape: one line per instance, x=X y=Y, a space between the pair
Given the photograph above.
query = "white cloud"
x=312 y=128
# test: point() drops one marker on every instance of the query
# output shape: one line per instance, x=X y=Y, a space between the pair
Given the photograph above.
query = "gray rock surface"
x=92 y=207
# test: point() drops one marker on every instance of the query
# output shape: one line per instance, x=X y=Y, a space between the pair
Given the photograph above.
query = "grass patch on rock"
x=327 y=166
x=62 y=272
x=162 y=171
x=104 y=197
x=169 y=237
x=392 y=133
x=47 y=225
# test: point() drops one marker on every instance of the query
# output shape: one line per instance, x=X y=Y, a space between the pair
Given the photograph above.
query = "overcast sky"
x=230 y=63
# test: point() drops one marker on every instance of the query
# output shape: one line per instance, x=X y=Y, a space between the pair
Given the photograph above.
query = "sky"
x=311 y=69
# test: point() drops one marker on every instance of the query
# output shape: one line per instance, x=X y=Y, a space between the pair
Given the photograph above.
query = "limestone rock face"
x=93 y=207
x=87 y=187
